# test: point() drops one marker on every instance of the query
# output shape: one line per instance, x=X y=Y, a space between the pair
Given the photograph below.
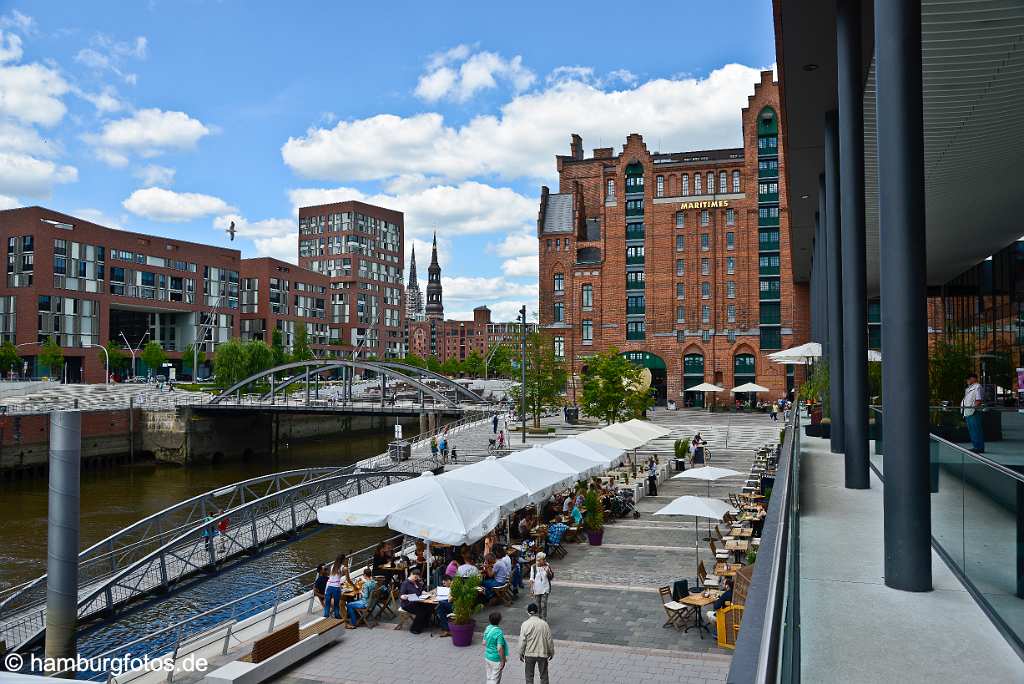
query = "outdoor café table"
x=699 y=602
x=727 y=569
x=738 y=547
x=742 y=532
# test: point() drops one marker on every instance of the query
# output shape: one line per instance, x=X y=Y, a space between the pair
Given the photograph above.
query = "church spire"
x=413 y=296
x=435 y=307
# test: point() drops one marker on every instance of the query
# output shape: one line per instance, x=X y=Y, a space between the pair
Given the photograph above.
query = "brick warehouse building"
x=360 y=248
x=85 y=284
x=679 y=260
x=276 y=295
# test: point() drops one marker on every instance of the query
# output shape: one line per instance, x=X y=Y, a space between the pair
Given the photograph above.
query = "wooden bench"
x=272 y=644
x=274 y=652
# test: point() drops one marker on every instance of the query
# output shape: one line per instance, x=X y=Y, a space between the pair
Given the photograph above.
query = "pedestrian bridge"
x=165 y=548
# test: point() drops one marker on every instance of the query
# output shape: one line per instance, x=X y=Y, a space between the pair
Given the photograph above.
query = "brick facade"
x=276 y=295
x=712 y=255
x=453 y=339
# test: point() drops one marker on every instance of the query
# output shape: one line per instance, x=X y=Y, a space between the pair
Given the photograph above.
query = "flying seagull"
x=231 y=231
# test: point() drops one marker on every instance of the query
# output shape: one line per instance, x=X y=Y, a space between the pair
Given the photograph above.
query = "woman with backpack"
x=541 y=575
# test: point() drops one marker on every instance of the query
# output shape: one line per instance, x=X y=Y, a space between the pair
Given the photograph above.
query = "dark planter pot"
x=812 y=430
x=462 y=635
x=595 y=537
x=825 y=430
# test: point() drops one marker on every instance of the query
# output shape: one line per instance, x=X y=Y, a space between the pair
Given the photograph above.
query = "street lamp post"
x=133 y=350
x=522 y=334
x=106 y=355
x=26 y=344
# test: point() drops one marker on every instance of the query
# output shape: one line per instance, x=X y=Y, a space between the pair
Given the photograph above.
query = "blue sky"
x=178 y=117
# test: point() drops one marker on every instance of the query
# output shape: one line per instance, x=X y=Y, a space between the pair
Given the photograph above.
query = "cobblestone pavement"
x=382 y=656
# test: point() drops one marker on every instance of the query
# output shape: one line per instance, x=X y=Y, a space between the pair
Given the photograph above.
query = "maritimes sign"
x=710 y=204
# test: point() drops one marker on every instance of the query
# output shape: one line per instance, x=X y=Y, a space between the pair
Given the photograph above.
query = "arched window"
x=696 y=184
x=686 y=184
x=723 y=186
x=744 y=368
x=711 y=182
x=610 y=192
x=680 y=219
x=735 y=181
x=659 y=186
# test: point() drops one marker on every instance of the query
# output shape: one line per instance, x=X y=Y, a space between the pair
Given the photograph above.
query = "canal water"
x=113 y=498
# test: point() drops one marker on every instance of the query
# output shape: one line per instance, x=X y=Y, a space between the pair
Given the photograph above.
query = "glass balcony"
x=634 y=334
x=770 y=293
x=767 y=173
x=635 y=310
x=770 y=314
x=634 y=208
x=634 y=184
x=767 y=221
x=766 y=245
x=768 y=270
x=768 y=197
x=634 y=232
x=633 y=260
x=771 y=338
x=634 y=284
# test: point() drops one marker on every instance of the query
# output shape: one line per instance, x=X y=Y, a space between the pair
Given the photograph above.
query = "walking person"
x=495 y=649
x=774 y=412
x=541 y=575
x=501 y=440
x=332 y=595
x=320 y=584
x=433 y=447
x=494 y=424
x=970 y=404
x=652 y=477
x=536 y=646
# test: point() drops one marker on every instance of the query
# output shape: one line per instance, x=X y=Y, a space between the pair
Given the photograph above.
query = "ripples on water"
x=116 y=497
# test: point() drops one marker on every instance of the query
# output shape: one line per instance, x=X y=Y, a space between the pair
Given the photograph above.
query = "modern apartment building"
x=276 y=295
x=679 y=260
x=360 y=249
x=83 y=285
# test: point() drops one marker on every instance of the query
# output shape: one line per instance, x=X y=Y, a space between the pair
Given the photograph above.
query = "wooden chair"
x=403 y=617
x=384 y=605
x=675 y=611
x=364 y=616
x=707 y=581
x=722 y=554
x=727 y=623
x=504 y=593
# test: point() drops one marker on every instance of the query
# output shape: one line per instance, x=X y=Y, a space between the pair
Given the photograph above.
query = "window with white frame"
x=680 y=243
x=730 y=289
x=680 y=219
x=559 y=283
x=705 y=242
x=711 y=182
x=680 y=314
x=705 y=313
x=730 y=240
x=730 y=313
x=730 y=265
x=730 y=217
x=588 y=331
x=705 y=290
x=735 y=181
x=609 y=194
x=680 y=267
x=680 y=291
x=686 y=184
x=722 y=185
x=705 y=217
x=587 y=297
x=559 y=346
x=705 y=266
x=697 y=184
x=659 y=186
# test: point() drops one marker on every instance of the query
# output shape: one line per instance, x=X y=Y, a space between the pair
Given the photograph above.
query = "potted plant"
x=593 y=519
x=464 y=599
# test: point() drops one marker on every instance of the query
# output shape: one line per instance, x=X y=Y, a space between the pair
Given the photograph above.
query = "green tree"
x=232 y=364
x=948 y=367
x=118 y=358
x=875 y=381
x=433 y=364
x=473 y=366
x=277 y=348
x=258 y=357
x=450 y=367
x=300 y=346
x=413 y=360
x=613 y=388
x=51 y=357
x=154 y=356
x=9 y=359
x=500 y=365
x=545 y=378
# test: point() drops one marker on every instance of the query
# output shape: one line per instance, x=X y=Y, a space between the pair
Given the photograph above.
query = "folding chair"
x=504 y=593
x=385 y=602
x=720 y=554
x=707 y=581
x=364 y=616
x=675 y=611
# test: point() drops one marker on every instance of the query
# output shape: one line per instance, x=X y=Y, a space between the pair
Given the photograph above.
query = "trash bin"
x=671 y=406
x=572 y=415
x=680 y=465
x=400 y=450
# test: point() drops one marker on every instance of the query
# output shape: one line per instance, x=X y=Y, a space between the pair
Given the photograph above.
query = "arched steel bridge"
x=308 y=370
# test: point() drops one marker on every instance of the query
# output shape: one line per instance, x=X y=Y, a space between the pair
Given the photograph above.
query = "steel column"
x=63 y=534
x=854 y=251
x=824 y=303
x=835 y=283
x=899 y=113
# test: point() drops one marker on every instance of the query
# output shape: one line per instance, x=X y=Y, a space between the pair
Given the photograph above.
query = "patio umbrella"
x=559 y=461
x=607 y=456
x=749 y=387
x=628 y=434
x=536 y=483
x=797 y=355
x=606 y=438
x=698 y=507
x=646 y=427
x=874 y=355
x=428 y=507
x=705 y=387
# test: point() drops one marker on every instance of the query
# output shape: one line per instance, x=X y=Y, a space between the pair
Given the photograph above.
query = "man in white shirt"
x=467 y=569
x=969 y=405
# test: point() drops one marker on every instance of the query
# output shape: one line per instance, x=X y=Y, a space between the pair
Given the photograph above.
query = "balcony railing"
x=634 y=335
x=768 y=245
x=769 y=295
x=767 y=197
x=635 y=284
x=768 y=173
x=635 y=233
x=767 y=220
x=633 y=260
x=768 y=270
x=635 y=310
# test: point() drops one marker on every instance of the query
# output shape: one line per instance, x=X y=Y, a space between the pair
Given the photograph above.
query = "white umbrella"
x=607 y=456
x=428 y=507
x=749 y=387
x=628 y=434
x=558 y=461
x=797 y=355
x=705 y=473
x=536 y=483
x=704 y=387
x=874 y=355
x=647 y=427
x=606 y=438
x=698 y=507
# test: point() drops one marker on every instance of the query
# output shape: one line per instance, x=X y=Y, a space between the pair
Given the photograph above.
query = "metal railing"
x=768 y=646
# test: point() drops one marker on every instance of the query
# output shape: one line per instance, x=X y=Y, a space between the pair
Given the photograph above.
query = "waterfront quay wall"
x=180 y=436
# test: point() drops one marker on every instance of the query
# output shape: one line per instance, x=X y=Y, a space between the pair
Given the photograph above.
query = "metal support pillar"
x=824 y=302
x=854 y=251
x=902 y=237
x=272 y=389
x=835 y=283
x=307 y=385
x=131 y=430
x=62 y=534
x=383 y=389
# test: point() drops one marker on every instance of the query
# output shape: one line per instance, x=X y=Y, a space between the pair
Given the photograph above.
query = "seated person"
x=409 y=594
x=382 y=556
x=444 y=605
x=452 y=569
x=719 y=603
x=365 y=594
x=512 y=554
x=467 y=568
x=577 y=515
x=525 y=525
x=566 y=505
x=490 y=580
x=556 y=531
x=320 y=583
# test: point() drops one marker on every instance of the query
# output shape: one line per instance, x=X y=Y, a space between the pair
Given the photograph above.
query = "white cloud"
x=19 y=22
x=106 y=100
x=10 y=47
x=21 y=174
x=516 y=244
x=501 y=312
x=460 y=290
x=275 y=237
x=683 y=114
x=31 y=93
x=25 y=139
x=107 y=54
x=521 y=266
x=469 y=207
x=153 y=174
x=9 y=202
x=158 y=204
x=147 y=133
x=459 y=74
